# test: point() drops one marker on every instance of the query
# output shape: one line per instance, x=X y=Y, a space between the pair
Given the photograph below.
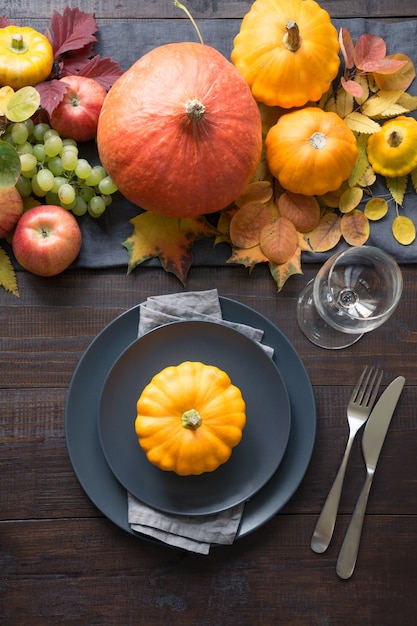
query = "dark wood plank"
x=207 y=9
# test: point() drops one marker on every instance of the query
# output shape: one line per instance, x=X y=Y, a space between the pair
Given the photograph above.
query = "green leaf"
x=362 y=163
x=9 y=165
x=397 y=187
x=7 y=274
x=23 y=104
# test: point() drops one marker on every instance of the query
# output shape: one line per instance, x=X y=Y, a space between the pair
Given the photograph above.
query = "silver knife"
x=372 y=442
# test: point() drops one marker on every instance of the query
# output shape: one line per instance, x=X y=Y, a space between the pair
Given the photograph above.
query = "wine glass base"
x=315 y=328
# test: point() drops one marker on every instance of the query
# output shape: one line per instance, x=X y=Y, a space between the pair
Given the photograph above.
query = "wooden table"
x=63 y=562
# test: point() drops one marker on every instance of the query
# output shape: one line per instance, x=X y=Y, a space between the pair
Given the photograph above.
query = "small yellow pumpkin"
x=189 y=417
x=392 y=151
x=288 y=51
x=310 y=151
x=26 y=57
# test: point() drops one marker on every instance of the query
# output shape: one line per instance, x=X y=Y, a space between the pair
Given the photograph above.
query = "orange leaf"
x=346 y=47
x=259 y=191
x=399 y=80
x=302 y=211
x=282 y=272
x=247 y=223
x=249 y=257
x=167 y=238
x=279 y=240
x=355 y=228
x=326 y=235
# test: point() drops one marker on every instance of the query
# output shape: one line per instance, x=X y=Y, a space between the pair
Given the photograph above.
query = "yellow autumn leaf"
x=403 y=230
x=380 y=102
x=326 y=235
x=6 y=93
x=368 y=178
x=258 y=191
x=392 y=111
x=249 y=257
x=350 y=199
x=7 y=274
x=376 y=208
x=363 y=82
x=281 y=273
x=355 y=228
x=408 y=101
x=362 y=162
x=344 y=103
x=360 y=123
x=397 y=187
x=413 y=178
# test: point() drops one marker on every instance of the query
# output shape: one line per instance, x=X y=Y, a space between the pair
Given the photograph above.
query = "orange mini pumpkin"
x=288 y=51
x=310 y=151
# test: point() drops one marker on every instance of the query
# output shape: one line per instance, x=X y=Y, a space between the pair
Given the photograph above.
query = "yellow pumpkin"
x=288 y=51
x=310 y=151
x=392 y=151
x=26 y=57
x=189 y=417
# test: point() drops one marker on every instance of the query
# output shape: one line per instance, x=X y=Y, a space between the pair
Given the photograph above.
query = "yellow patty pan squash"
x=189 y=417
x=310 y=151
x=288 y=51
x=392 y=151
x=26 y=57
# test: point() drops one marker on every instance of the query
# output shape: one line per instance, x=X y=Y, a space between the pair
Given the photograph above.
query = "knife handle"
x=349 y=551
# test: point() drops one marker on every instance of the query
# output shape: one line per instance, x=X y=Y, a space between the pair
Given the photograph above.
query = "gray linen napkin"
x=192 y=533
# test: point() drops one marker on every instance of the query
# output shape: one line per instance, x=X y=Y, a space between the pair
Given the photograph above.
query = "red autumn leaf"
x=72 y=30
x=384 y=66
x=352 y=87
x=72 y=62
x=52 y=93
x=166 y=238
x=103 y=70
x=346 y=47
x=369 y=49
x=4 y=21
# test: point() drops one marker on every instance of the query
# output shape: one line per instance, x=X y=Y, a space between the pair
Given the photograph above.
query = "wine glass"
x=355 y=291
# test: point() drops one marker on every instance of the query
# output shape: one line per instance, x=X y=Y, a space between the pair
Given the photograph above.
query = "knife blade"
x=372 y=442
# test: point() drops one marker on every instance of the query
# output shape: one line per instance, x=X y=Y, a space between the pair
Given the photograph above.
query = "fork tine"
x=367 y=387
x=370 y=399
x=359 y=390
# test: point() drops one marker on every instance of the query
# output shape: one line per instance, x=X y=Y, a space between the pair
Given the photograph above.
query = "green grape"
x=86 y=193
x=29 y=173
x=69 y=160
x=30 y=125
x=95 y=176
x=68 y=206
x=96 y=206
x=51 y=132
x=53 y=145
x=106 y=186
x=107 y=199
x=37 y=190
x=39 y=151
x=69 y=142
x=28 y=162
x=55 y=165
x=19 y=133
x=24 y=186
x=45 y=179
x=66 y=194
x=80 y=207
x=59 y=181
x=82 y=169
x=39 y=131
x=24 y=148
x=52 y=198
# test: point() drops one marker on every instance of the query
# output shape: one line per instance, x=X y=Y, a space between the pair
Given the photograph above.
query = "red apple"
x=76 y=116
x=47 y=240
x=11 y=208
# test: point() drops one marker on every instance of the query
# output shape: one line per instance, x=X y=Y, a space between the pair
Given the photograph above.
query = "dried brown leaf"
x=326 y=235
x=279 y=240
x=350 y=199
x=302 y=211
x=355 y=228
x=247 y=223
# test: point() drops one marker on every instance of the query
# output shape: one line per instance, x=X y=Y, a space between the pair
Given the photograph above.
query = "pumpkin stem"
x=394 y=139
x=191 y=419
x=186 y=11
x=292 y=39
x=318 y=140
x=195 y=110
x=17 y=44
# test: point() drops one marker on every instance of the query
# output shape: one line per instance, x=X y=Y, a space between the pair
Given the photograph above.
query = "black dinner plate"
x=86 y=454
x=265 y=436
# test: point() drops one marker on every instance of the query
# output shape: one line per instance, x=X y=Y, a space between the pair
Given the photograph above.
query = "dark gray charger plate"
x=86 y=455
x=265 y=435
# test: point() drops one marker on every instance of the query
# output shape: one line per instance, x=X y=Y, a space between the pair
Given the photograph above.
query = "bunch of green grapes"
x=53 y=171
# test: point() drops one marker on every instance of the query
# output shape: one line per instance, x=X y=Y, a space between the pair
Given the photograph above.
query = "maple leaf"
x=282 y=272
x=103 y=70
x=52 y=93
x=72 y=30
x=7 y=274
x=167 y=238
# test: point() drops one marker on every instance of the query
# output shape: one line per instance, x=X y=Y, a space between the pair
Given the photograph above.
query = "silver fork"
x=359 y=408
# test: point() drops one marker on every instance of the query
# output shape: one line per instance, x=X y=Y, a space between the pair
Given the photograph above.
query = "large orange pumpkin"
x=179 y=132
